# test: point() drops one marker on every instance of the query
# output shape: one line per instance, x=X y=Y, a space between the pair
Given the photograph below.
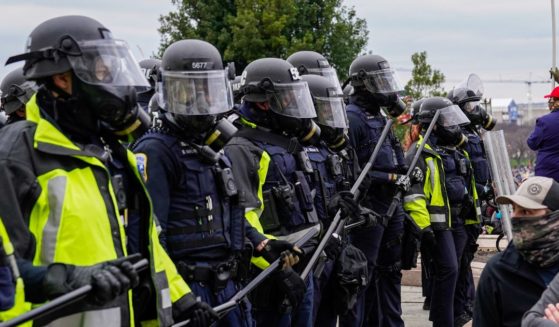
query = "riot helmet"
x=236 y=89
x=372 y=74
x=16 y=91
x=313 y=63
x=447 y=130
x=468 y=95
x=150 y=68
x=348 y=92
x=330 y=111
x=105 y=75
x=194 y=87
x=285 y=103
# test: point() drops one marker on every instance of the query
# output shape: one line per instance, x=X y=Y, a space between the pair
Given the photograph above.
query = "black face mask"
x=114 y=105
x=392 y=102
x=74 y=117
x=373 y=101
x=335 y=138
x=260 y=117
x=366 y=100
x=450 y=136
x=304 y=129
x=195 y=126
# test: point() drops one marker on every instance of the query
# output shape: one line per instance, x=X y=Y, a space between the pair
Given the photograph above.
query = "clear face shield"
x=384 y=81
x=195 y=93
x=331 y=112
x=452 y=116
x=292 y=100
x=473 y=83
x=107 y=63
x=471 y=107
x=330 y=73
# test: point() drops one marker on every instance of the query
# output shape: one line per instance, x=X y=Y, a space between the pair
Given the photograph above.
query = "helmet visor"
x=330 y=73
x=196 y=92
x=452 y=116
x=382 y=81
x=473 y=83
x=107 y=62
x=17 y=96
x=292 y=100
x=331 y=112
x=471 y=106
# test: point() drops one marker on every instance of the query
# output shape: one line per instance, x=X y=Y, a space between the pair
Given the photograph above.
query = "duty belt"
x=216 y=276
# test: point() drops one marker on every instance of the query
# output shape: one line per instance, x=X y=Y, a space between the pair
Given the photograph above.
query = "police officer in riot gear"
x=276 y=121
x=194 y=193
x=375 y=86
x=332 y=181
x=468 y=98
x=15 y=92
x=150 y=68
x=67 y=160
x=442 y=206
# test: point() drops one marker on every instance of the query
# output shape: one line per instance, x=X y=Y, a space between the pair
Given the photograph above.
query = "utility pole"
x=529 y=82
x=554 y=47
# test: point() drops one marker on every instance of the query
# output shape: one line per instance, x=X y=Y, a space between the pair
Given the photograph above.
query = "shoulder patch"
x=142 y=163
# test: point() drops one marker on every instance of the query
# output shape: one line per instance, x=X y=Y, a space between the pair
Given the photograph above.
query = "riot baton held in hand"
x=398 y=197
x=224 y=308
x=338 y=223
x=52 y=307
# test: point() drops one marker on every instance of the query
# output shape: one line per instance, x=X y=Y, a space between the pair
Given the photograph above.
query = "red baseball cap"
x=553 y=94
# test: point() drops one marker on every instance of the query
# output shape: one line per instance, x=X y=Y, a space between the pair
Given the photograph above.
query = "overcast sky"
x=497 y=39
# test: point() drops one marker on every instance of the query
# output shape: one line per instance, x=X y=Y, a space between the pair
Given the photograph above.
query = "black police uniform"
x=381 y=302
x=203 y=229
x=288 y=206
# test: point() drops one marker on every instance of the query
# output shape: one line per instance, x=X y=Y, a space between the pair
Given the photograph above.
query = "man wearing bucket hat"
x=513 y=280
x=543 y=139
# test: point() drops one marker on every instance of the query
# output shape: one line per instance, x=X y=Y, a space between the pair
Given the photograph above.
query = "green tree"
x=425 y=81
x=245 y=30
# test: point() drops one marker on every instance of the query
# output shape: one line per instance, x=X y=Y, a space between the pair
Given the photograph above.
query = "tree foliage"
x=425 y=81
x=245 y=30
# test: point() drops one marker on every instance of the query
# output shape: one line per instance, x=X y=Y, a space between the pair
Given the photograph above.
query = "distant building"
x=505 y=110
x=509 y=111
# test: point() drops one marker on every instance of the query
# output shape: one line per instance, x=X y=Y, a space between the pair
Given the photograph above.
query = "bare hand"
x=552 y=312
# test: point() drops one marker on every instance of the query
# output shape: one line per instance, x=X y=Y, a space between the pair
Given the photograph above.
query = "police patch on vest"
x=142 y=163
x=312 y=149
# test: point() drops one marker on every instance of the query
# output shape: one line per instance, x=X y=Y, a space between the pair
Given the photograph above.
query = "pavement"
x=412 y=300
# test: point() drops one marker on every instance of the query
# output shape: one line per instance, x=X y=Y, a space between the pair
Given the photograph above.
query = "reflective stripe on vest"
x=93 y=318
x=438 y=207
x=20 y=306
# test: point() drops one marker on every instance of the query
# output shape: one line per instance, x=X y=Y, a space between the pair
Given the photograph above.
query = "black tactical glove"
x=403 y=183
x=292 y=285
x=334 y=247
x=199 y=313
x=367 y=215
x=108 y=280
x=274 y=249
x=343 y=201
x=428 y=240
x=417 y=176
